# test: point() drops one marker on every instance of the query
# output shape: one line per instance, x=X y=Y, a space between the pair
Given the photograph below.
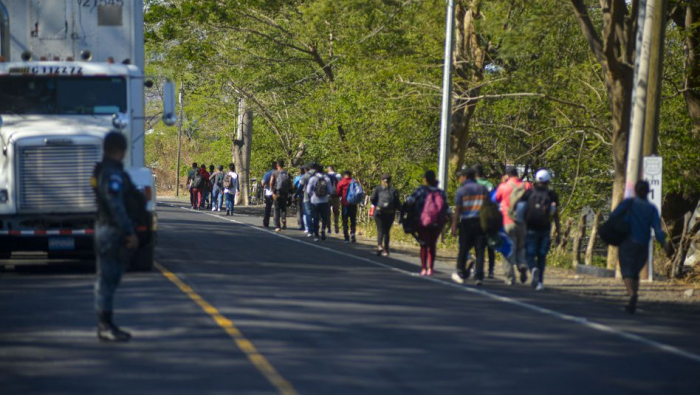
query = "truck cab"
x=63 y=87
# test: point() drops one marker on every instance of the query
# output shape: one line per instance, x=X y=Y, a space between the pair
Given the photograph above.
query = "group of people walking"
x=214 y=188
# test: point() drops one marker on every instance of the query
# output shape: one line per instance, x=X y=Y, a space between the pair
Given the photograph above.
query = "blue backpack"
x=355 y=193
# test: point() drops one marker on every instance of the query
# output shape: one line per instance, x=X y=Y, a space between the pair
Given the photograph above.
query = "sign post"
x=653 y=174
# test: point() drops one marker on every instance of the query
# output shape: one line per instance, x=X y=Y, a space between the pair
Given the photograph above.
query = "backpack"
x=408 y=219
x=283 y=184
x=615 y=230
x=228 y=181
x=490 y=217
x=355 y=194
x=515 y=194
x=334 y=185
x=321 y=187
x=219 y=180
x=433 y=213
x=386 y=200
x=537 y=210
x=197 y=181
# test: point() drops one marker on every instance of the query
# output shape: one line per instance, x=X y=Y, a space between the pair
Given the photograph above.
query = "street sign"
x=653 y=174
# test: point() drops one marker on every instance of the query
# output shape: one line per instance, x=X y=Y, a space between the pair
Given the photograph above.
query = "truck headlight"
x=3 y=196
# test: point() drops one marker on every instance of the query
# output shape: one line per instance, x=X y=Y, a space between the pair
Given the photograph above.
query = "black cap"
x=386 y=176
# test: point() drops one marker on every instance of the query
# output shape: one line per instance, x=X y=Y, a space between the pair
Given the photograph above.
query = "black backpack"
x=615 y=230
x=537 y=211
x=490 y=217
x=385 y=201
x=283 y=184
x=321 y=187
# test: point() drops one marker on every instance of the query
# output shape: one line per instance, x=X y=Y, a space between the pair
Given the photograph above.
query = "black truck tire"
x=142 y=261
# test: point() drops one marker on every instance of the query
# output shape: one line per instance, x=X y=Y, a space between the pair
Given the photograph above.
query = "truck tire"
x=143 y=258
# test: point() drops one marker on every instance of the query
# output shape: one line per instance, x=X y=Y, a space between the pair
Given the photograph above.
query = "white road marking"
x=566 y=317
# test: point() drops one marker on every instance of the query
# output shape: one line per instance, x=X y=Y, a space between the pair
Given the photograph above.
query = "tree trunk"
x=469 y=58
x=580 y=234
x=240 y=149
x=594 y=234
x=687 y=16
x=688 y=236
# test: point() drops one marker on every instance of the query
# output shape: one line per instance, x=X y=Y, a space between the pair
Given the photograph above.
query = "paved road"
x=237 y=309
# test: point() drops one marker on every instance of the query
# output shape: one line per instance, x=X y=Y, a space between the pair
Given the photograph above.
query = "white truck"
x=70 y=72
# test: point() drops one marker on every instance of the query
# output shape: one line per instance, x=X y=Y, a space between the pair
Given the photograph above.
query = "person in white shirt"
x=230 y=188
x=319 y=190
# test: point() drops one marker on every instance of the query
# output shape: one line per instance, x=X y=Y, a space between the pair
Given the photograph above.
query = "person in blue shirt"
x=634 y=251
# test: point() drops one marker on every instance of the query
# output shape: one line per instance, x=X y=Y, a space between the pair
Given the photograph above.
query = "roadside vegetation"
x=357 y=83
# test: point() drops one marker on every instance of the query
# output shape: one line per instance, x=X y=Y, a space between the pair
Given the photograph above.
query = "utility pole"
x=639 y=95
x=656 y=66
x=179 y=143
x=444 y=163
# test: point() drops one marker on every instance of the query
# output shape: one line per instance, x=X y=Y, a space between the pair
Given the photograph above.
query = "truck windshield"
x=62 y=95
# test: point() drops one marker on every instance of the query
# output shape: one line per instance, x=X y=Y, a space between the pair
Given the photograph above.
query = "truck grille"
x=57 y=178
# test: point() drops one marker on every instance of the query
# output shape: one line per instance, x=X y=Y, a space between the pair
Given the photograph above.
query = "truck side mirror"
x=169 y=117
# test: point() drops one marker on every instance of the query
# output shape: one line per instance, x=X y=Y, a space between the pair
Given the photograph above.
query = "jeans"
x=319 y=217
x=471 y=236
x=300 y=213
x=384 y=222
x=334 y=208
x=281 y=211
x=308 y=222
x=268 y=211
x=537 y=246
x=112 y=260
x=216 y=197
x=349 y=213
x=229 y=202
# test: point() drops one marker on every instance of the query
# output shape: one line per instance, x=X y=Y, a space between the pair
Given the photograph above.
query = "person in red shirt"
x=349 y=211
x=511 y=186
x=205 y=188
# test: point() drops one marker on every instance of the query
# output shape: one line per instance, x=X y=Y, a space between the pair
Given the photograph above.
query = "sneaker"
x=309 y=235
x=112 y=333
x=539 y=287
x=479 y=283
x=523 y=275
x=213 y=209
x=457 y=278
x=429 y=272
x=346 y=241
x=510 y=280
x=423 y=272
x=535 y=277
x=491 y=275
x=385 y=254
x=316 y=239
x=278 y=230
x=218 y=209
x=353 y=239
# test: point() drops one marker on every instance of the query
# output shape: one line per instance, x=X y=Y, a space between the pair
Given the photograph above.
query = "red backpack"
x=433 y=214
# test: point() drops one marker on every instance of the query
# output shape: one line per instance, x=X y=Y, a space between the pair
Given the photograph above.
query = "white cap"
x=543 y=176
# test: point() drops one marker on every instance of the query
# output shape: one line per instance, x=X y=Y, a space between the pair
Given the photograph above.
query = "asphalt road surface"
x=236 y=309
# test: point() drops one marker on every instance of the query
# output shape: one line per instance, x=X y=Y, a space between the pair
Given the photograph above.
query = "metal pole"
x=444 y=164
x=179 y=143
x=639 y=95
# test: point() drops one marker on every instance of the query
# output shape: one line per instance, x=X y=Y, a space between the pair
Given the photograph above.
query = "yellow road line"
x=258 y=360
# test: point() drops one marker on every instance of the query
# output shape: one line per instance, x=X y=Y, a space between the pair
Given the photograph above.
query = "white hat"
x=543 y=176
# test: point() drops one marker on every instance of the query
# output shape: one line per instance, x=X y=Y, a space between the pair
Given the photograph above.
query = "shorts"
x=632 y=256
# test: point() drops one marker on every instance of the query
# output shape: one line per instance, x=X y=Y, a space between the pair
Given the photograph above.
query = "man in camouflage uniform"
x=115 y=236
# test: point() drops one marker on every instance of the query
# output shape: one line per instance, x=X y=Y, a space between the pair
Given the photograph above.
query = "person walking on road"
x=349 y=208
x=115 y=236
x=508 y=194
x=385 y=201
x=469 y=199
x=299 y=197
x=319 y=190
x=537 y=208
x=634 y=250
x=230 y=188
x=190 y=184
x=217 y=192
x=210 y=195
x=334 y=201
x=429 y=204
x=267 y=195
x=204 y=189
x=303 y=184
x=481 y=180
x=198 y=189
x=281 y=185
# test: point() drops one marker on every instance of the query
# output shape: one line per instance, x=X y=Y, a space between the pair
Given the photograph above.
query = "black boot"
x=632 y=304
x=107 y=331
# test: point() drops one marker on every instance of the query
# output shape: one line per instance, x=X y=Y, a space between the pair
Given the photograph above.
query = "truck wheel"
x=143 y=258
